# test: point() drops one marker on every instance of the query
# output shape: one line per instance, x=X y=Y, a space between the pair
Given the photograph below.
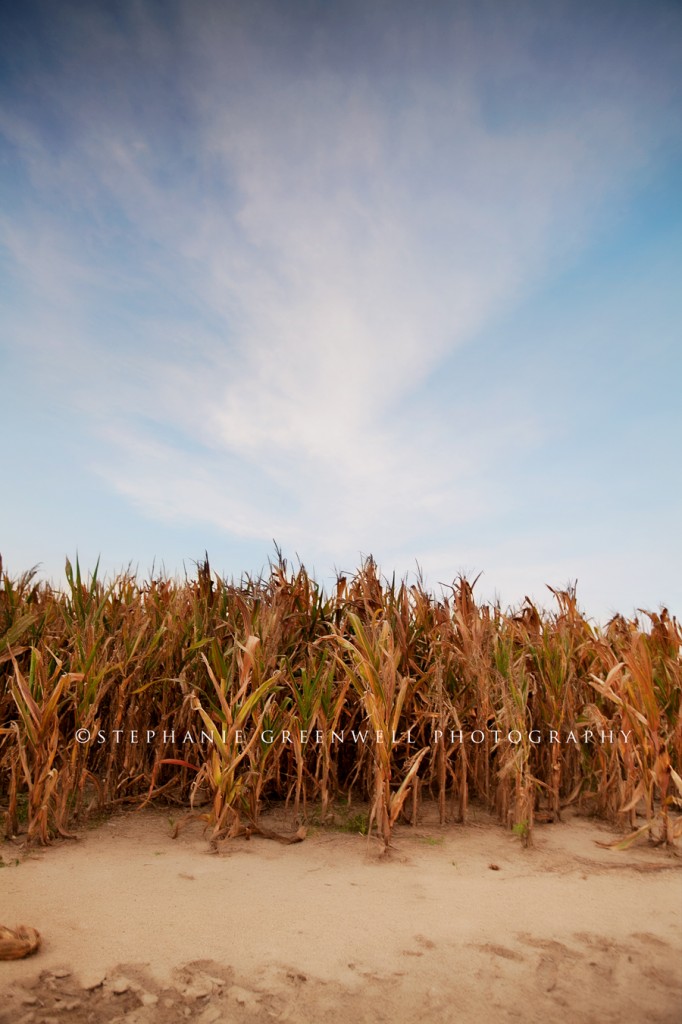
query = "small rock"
x=243 y=997
x=92 y=982
x=218 y=982
x=199 y=988
x=210 y=1015
x=149 y=999
x=119 y=986
x=72 y=1004
x=61 y=973
x=29 y=999
x=546 y=973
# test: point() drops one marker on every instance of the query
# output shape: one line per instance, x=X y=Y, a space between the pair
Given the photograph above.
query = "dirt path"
x=455 y=925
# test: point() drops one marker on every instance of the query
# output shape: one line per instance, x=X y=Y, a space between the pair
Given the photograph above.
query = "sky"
x=352 y=278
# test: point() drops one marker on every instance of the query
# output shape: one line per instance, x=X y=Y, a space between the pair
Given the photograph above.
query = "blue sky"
x=356 y=277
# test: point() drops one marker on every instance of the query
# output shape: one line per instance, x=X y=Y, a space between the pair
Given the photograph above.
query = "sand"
x=455 y=924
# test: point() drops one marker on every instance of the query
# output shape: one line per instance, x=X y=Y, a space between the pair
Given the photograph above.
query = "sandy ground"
x=460 y=924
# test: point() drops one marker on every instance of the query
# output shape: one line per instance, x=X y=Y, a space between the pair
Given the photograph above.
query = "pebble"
x=149 y=999
x=243 y=997
x=119 y=986
x=61 y=973
x=210 y=1015
x=29 y=999
x=94 y=982
x=199 y=988
x=218 y=982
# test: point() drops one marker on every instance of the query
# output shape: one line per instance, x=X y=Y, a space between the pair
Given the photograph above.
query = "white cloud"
x=333 y=244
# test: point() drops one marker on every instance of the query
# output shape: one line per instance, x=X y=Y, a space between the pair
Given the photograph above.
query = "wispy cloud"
x=259 y=248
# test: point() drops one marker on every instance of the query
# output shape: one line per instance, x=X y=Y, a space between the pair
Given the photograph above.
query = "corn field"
x=224 y=698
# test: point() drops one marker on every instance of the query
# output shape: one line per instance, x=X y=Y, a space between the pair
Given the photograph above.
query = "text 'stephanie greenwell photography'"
x=341 y=575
